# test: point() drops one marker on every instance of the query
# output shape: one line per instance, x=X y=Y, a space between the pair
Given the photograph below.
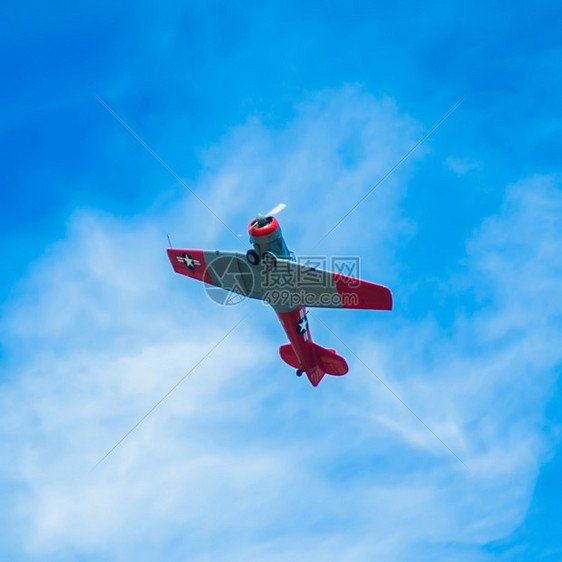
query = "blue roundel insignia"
x=302 y=326
x=188 y=260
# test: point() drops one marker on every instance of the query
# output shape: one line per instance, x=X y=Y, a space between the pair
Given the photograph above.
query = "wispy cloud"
x=461 y=166
x=243 y=461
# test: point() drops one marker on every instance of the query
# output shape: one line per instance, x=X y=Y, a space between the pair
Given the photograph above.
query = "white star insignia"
x=188 y=260
x=302 y=326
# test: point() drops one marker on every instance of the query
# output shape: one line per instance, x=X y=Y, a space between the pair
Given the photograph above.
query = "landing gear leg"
x=299 y=373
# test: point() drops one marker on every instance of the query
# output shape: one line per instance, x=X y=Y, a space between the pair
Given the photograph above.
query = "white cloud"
x=244 y=460
x=339 y=144
x=461 y=166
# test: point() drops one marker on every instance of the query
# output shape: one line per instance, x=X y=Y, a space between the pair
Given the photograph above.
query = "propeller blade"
x=276 y=210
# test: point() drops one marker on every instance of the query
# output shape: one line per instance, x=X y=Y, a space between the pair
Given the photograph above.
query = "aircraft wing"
x=227 y=270
x=314 y=287
x=285 y=284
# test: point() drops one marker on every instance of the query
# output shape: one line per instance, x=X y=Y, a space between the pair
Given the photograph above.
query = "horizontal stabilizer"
x=321 y=361
x=289 y=356
x=328 y=360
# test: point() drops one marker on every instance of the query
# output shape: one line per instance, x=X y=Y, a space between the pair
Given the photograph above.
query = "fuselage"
x=267 y=240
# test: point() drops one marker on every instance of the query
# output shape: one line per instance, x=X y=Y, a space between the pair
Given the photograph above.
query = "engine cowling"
x=268 y=227
x=265 y=235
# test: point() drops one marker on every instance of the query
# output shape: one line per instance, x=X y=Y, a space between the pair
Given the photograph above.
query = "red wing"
x=356 y=293
x=191 y=263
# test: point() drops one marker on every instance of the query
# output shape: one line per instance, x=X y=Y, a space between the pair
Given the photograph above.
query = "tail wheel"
x=299 y=373
x=252 y=257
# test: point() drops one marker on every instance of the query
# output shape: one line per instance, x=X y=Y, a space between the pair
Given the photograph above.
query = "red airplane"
x=271 y=273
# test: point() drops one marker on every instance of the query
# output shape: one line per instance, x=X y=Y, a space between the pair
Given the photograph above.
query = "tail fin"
x=325 y=361
x=315 y=375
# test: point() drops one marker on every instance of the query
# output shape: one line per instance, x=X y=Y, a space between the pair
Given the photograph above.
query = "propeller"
x=262 y=219
x=276 y=210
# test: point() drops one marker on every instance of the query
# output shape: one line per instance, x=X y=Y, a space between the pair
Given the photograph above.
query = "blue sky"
x=308 y=104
